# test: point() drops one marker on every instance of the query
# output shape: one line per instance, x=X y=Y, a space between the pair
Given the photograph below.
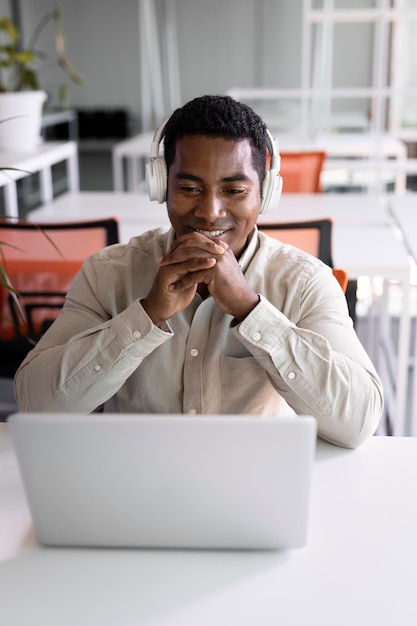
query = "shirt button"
x=256 y=336
x=137 y=334
x=291 y=375
x=97 y=367
x=194 y=352
x=192 y=412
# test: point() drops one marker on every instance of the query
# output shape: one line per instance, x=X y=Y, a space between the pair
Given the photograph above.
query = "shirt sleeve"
x=318 y=364
x=86 y=355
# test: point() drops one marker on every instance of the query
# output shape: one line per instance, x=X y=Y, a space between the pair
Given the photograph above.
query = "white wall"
x=222 y=44
x=101 y=42
x=245 y=43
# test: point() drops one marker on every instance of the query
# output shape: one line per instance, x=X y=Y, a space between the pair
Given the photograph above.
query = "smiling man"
x=210 y=316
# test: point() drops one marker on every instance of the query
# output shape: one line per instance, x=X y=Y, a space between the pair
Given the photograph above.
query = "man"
x=211 y=316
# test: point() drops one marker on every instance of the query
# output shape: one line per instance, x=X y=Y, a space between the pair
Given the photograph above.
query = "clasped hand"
x=195 y=259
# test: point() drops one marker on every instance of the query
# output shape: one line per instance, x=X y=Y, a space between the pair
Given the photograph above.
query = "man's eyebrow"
x=187 y=176
x=227 y=179
x=235 y=178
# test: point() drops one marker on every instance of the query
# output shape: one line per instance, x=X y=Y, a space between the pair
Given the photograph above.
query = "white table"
x=134 y=210
x=404 y=211
x=359 y=567
x=133 y=152
x=345 y=209
x=39 y=160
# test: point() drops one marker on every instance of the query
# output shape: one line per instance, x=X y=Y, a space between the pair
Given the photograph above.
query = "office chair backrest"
x=314 y=237
x=301 y=171
x=58 y=241
x=342 y=277
x=40 y=261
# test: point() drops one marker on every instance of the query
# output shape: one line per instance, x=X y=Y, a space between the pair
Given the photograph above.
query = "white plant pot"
x=20 y=120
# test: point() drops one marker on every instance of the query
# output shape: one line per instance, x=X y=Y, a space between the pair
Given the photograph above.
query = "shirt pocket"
x=246 y=389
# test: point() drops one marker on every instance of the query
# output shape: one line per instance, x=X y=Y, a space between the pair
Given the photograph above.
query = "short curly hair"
x=218 y=116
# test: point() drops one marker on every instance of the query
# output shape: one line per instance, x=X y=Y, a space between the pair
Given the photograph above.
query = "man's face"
x=214 y=189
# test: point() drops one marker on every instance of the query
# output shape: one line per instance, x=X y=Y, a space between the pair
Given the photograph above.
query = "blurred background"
x=305 y=68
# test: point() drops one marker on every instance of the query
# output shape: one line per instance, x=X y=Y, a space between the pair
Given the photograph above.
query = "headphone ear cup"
x=156 y=179
x=271 y=191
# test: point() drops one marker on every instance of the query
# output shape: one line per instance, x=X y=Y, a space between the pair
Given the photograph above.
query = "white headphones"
x=156 y=173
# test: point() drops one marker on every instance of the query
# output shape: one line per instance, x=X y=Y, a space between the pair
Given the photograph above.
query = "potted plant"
x=21 y=98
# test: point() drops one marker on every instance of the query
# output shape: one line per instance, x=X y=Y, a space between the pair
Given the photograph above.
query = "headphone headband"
x=156 y=172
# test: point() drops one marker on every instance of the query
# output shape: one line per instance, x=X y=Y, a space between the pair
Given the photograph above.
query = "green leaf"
x=8 y=27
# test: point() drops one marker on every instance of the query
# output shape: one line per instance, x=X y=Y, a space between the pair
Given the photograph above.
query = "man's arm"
x=86 y=355
x=318 y=365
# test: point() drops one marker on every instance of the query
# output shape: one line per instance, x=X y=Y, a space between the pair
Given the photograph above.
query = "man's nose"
x=210 y=207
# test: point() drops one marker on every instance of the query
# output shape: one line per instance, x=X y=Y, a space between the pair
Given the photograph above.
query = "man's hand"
x=188 y=255
x=196 y=259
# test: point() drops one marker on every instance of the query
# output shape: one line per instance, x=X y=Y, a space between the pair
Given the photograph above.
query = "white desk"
x=350 y=209
x=404 y=211
x=359 y=567
x=134 y=210
x=134 y=152
x=39 y=160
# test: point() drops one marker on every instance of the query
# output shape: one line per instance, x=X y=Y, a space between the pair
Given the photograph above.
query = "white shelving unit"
x=394 y=66
x=393 y=71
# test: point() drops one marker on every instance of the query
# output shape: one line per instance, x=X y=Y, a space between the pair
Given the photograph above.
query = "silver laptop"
x=166 y=481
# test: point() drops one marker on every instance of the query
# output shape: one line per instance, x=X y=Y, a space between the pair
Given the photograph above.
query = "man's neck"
x=203 y=291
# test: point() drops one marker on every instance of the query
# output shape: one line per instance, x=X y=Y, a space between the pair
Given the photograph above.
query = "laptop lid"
x=166 y=481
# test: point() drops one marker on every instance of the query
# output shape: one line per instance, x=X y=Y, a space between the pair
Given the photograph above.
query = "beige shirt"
x=296 y=351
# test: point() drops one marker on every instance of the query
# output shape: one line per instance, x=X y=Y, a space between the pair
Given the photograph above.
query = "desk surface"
x=345 y=209
x=134 y=210
x=370 y=252
x=136 y=146
x=45 y=154
x=359 y=567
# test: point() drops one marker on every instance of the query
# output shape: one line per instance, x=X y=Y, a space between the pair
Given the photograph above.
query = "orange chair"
x=301 y=171
x=342 y=277
x=314 y=237
x=38 y=263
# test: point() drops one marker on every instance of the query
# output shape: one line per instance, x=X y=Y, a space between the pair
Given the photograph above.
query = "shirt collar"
x=250 y=250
